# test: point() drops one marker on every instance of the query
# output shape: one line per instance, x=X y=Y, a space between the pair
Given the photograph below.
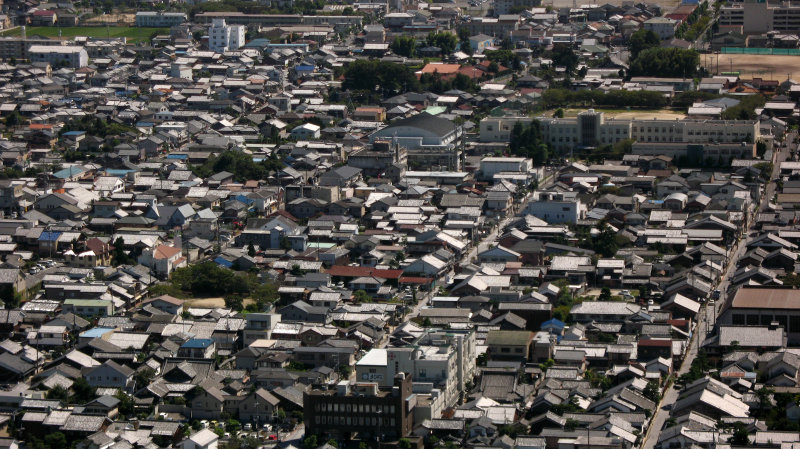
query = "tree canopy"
x=404 y=46
x=385 y=76
x=552 y=98
x=241 y=165
x=665 y=62
x=526 y=140
x=642 y=40
x=444 y=40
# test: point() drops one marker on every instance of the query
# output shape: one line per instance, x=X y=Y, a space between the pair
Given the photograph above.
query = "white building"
x=498 y=129
x=447 y=360
x=662 y=26
x=223 y=37
x=556 y=207
x=59 y=55
x=306 y=131
x=591 y=128
x=159 y=19
x=491 y=166
x=758 y=17
x=204 y=439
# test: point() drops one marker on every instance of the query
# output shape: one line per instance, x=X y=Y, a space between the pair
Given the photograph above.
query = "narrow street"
x=708 y=317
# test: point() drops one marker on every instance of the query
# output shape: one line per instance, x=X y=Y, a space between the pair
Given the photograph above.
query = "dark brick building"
x=363 y=408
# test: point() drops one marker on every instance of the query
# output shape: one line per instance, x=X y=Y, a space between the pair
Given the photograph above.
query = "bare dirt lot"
x=775 y=67
x=211 y=303
x=112 y=19
x=625 y=114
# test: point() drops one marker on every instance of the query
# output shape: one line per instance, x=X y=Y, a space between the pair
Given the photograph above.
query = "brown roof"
x=766 y=298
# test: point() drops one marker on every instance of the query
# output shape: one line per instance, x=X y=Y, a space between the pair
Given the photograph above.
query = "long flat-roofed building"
x=762 y=306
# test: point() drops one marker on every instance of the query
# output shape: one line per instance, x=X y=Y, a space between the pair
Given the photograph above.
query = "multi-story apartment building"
x=376 y=412
x=59 y=55
x=159 y=19
x=223 y=37
x=514 y=6
x=259 y=326
x=758 y=17
x=591 y=128
x=444 y=359
x=272 y=20
x=498 y=27
x=17 y=47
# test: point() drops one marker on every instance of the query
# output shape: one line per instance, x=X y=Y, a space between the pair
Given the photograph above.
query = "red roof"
x=656 y=343
x=98 y=246
x=40 y=126
x=415 y=280
x=44 y=13
x=356 y=272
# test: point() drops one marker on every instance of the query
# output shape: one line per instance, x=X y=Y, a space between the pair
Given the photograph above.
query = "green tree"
x=56 y=440
x=444 y=40
x=361 y=296
x=118 y=255
x=57 y=392
x=14 y=119
x=251 y=249
x=126 y=403
x=143 y=376
x=642 y=40
x=404 y=46
x=82 y=391
x=740 y=435
x=527 y=141
x=310 y=442
x=672 y=62
x=605 y=294
x=563 y=55
x=652 y=392
x=384 y=76
x=606 y=242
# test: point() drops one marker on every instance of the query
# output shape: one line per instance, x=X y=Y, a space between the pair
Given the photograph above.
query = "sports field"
x=761 y=66
x=134 y=34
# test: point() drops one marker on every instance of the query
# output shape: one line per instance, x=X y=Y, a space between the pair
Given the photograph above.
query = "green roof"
x=435 y=110
x=509 y=338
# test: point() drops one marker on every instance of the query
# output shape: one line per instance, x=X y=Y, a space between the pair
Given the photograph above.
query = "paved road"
x=293 y=438
x=705 y=328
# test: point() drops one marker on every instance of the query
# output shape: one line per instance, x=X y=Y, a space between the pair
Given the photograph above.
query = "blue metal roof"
x=178 y=156
x=74 y=133
x=118 y=172
x=49 y=236
x=223 y=262
x=96 y=332
x=554 y=324
x=199 y=343
x=69 y=172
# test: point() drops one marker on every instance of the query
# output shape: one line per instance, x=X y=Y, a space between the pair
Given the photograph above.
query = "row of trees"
x=526 y=141
x=95 y=126
x=553 y=98
x=665 y=62
x=241 y=165
x=207 y=279
x=407 y=45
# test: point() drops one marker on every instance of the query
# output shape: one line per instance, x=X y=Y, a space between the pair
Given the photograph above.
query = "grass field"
x=771 y=67
x=134 y=34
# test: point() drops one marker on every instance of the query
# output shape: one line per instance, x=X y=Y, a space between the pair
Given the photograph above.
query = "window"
x=794 y=324
x=505 y=350
x=738 y=319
